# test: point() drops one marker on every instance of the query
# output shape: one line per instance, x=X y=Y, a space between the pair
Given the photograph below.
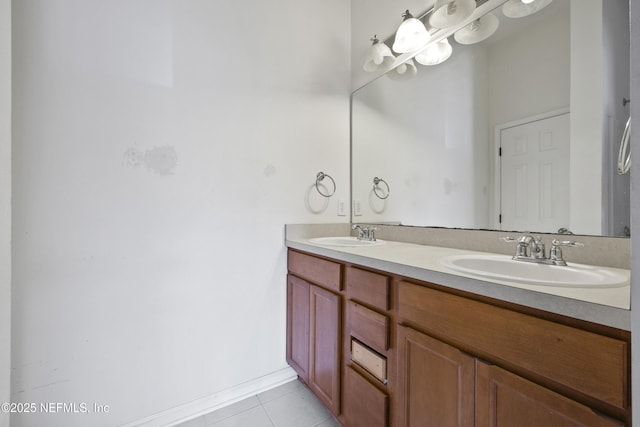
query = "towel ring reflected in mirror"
x=624 y=155
x=376 y=188
x=319 y=178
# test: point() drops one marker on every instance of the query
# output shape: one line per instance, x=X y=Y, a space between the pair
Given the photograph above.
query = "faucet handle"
x=569 y=243
x=555 y=254
x=521 y=249
x=372 y=233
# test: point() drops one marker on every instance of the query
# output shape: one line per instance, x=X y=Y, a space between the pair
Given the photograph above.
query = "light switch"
x=342 y=211
x=357 y=207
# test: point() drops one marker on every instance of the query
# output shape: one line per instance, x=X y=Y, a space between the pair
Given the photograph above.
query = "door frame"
x=496 y=202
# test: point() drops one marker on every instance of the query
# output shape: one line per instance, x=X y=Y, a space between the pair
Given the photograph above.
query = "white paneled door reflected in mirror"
x=437 y=138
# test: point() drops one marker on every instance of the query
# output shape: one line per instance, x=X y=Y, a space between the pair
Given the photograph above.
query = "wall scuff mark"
x=160 y=160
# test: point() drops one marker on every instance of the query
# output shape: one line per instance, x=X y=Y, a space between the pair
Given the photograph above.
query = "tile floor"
x=289 y=405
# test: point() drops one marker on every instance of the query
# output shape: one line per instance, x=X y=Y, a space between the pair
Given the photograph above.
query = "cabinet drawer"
x=368 y=288
x=371 y=361
x=368 y=326
x=365 y=405
x=319 y=271
x=586 y=362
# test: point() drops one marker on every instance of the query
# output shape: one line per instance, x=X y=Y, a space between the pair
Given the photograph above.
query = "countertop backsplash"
x=604 y=251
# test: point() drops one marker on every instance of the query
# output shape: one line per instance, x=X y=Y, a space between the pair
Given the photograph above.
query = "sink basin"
x=502 y=267
x=344 y=241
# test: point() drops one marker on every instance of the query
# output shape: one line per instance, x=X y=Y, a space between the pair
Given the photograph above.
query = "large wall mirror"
x=519 y=132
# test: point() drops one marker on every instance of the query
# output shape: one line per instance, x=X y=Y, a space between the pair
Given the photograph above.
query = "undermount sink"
x=503 y=267
x=345 y=241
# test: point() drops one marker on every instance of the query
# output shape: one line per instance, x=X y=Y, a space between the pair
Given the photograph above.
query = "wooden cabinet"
x=441 y=386
x=436 y=382
x=505 y=399
x=551 y=374
x=365 y=405
x=298 y=326
x=325 y=344
x=381 y=349
x=314 y=325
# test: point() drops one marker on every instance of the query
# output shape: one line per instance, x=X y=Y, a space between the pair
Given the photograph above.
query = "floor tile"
x=231 y=410
x=298 y=409
x=254 y=417
x=274 y=393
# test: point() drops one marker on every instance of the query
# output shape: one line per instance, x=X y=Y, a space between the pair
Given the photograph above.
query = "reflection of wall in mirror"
x=430 y=137
x=426 y=143
x=616 y=79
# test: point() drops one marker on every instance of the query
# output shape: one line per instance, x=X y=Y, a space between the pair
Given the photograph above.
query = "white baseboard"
x=218 y=400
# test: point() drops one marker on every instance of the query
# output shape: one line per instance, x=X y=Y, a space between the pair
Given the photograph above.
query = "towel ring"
x=376 y=182
x=624 y=155
x=319 y=177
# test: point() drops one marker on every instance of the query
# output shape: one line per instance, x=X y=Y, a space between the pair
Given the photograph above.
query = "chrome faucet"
x=365 y=233
x=532 y=249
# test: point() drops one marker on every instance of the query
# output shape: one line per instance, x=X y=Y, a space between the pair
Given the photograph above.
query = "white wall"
x=529 y=71
x=5 y=205
x=428 y=138
x=160 y=146
x=586 y=122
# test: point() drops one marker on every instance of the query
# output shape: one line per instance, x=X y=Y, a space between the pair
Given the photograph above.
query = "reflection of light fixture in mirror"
x=404 y=71
x=435 y=53
x=411 y=34
x=522 y=8
x=378 y=56
x=447 y=13
x=478 y=30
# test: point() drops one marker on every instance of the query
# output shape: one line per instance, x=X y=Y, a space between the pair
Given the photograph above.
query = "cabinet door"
x=325 y=339
x=505 y=399
x=436 y=382
x=298 y=326
x=364 y=404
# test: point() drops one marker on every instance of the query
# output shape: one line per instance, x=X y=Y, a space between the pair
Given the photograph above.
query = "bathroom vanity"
x=382 y=343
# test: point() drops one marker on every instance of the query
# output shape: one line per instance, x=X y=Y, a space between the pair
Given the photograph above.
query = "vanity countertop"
x=607 y=306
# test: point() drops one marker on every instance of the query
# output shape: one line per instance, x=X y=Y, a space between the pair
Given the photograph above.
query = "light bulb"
x=522 y=8
x=447 y=13
x=411 y=34
x=478 y=30
x=435 y=53
x=404 y=71
x=378 y=56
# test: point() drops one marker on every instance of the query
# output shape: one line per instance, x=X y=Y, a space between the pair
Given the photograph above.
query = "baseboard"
x=218 y=400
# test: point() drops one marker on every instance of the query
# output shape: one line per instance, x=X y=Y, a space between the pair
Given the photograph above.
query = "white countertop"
x=607 y=306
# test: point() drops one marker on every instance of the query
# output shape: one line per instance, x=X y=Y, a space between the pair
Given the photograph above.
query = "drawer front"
x=368 y=326
x=319 y=271
x=368 y=288
x=364 y=404
x=371 y=361
x=583 y=361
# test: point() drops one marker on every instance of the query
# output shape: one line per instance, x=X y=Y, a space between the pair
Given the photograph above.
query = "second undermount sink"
x=503 y=267
x=345 y=241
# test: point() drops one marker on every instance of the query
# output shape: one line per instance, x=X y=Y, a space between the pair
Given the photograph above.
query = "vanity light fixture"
x=435 y=53
x=411 y=34
x=447 y=13
x=378 y=56
x=478 y=30
x=522 y=8
x=404 y=71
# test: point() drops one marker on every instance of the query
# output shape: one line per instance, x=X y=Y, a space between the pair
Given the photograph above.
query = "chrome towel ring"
x=319 y=178
x=376 y=187
x=624 y=155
